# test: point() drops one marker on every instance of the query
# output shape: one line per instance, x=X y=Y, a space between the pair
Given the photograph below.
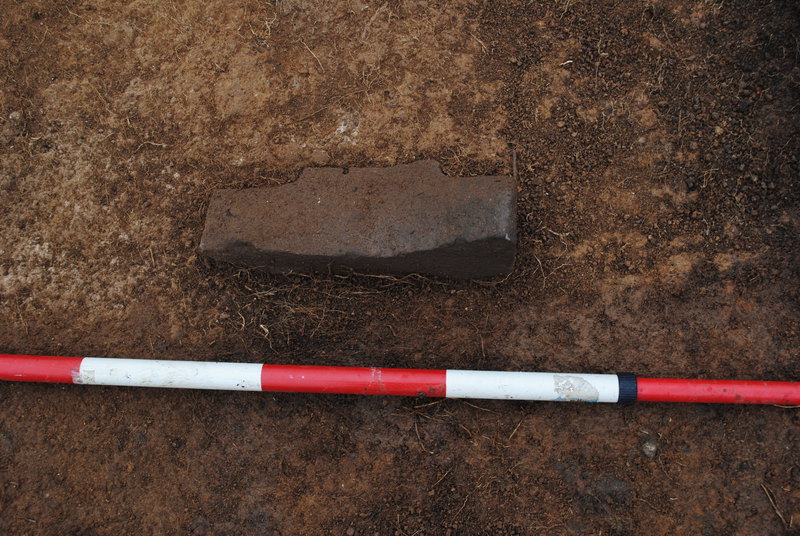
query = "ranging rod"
x=541 y=386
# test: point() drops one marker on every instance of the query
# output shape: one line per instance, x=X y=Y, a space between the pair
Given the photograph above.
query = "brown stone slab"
x=404 y=219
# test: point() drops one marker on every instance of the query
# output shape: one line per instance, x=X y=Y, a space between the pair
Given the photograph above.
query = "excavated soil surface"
x=656 y=145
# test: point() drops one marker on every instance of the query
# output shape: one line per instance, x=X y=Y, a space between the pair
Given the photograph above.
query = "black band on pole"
x=627 y=388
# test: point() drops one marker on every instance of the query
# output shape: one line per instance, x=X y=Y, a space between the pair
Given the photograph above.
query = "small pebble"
x=351 y=531
x=650 y=447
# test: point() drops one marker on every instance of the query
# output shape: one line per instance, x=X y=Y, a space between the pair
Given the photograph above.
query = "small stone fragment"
x=650 y=448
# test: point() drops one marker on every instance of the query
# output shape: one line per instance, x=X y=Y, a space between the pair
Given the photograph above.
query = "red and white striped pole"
x=557 y=387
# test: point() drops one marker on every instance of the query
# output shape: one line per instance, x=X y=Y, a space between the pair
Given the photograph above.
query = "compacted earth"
x=655 y=144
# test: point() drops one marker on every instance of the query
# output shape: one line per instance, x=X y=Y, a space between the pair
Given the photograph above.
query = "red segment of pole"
x=353 y=380
x=39 y=368
x=717 y=391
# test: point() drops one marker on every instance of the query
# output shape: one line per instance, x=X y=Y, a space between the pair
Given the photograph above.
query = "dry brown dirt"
x=657 y=146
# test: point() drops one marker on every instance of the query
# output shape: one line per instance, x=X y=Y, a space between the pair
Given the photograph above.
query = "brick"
x=404 y=219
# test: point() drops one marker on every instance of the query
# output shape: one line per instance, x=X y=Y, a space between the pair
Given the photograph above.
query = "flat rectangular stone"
x=404 y=219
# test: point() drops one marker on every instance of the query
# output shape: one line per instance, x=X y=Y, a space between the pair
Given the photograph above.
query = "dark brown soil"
x=657 y=146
